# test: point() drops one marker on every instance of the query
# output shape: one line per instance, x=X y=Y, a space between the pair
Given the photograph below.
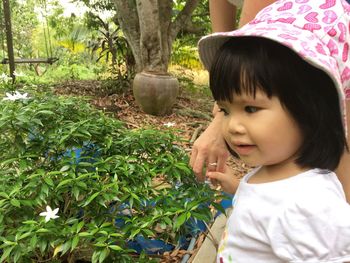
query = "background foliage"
x=89 y=45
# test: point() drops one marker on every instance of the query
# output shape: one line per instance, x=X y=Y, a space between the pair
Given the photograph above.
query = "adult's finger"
x=212 y=163
x=221 y=162
x=193 y=157
x=198 y=165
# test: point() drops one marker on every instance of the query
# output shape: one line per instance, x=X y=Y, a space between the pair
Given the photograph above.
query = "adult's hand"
x=209 y=150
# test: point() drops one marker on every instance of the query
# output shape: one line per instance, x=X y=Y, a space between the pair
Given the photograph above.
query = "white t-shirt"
x=304 y=218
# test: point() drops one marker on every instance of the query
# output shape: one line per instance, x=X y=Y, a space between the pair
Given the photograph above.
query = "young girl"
x=280 y=83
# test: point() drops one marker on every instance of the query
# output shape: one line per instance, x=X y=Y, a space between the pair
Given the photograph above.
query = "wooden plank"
x=30 y=60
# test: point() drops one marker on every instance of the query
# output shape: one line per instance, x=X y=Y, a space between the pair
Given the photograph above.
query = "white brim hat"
x=318 y=30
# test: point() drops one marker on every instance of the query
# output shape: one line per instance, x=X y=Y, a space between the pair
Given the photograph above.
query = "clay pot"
x=155 y=93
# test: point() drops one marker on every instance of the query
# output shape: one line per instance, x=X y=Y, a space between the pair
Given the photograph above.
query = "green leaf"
x=85 y=234
x=106 y=224
x=103 y=232
x=79 y=227
x=66 y=246
x=100 y=245
x=200 y=216
x=24 y=235
x=12 y=160
x=95 y=256
x=64 y=182
x=48 y=181
x=65 y=168
x=45 y=112
x=168 y=221
x=148 y=232
x=135 y=196
x=102 y=203
x=43 y=230
x=115 y=247
x=219 y=208
x=90 y=199
x=17 y=255
x=6 y=253
x=42 y=245
x=75 y=242
x=104 y=254
x=135 y=232
x=4 y=195
x=76 y=192
x=180 y=220
x=8 y=243
x=33 y=241
x=37 y=121
x=45 y=189
x=15 y=203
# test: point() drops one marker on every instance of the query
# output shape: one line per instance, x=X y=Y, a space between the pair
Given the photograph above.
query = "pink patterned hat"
x=318 y=30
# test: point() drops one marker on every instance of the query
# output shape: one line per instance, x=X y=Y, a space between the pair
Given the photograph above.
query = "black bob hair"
x=246 y=64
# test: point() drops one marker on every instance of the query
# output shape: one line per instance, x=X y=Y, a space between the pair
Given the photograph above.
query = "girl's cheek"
x=224 y=129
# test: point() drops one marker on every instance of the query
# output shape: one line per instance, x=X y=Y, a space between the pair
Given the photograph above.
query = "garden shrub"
x=109 y=184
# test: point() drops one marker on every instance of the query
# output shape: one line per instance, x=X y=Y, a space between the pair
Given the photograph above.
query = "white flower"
x=169 y=124
x=16 y=96
x=49 y=214
x=4 y=78
x=18 y=74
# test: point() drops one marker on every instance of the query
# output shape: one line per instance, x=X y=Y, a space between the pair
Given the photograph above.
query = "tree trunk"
x=150 y=30
x=129 y=22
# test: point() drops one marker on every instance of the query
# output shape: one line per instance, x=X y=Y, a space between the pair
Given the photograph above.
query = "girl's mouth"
x=244 y=149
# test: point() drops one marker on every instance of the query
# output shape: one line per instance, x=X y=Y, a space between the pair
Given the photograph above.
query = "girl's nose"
x=236 y=126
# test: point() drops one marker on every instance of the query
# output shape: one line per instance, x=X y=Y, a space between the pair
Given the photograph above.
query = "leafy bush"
x=105 y=184
x=185 y=54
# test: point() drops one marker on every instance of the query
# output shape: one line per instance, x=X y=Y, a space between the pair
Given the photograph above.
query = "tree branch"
x=182 y=18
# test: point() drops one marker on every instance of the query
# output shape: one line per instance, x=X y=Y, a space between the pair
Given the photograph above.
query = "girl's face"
x=260 y=130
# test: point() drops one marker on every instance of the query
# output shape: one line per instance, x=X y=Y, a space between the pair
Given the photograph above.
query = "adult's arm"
x=222 y=15
x=251 y=8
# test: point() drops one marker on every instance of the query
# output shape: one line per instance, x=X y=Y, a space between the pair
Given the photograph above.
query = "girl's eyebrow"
x=257 y=98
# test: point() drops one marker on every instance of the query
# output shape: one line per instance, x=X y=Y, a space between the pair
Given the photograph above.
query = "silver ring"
x=213 y=164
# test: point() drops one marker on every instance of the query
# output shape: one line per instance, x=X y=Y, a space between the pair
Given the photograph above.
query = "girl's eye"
x=224 y=111
x=251 y=109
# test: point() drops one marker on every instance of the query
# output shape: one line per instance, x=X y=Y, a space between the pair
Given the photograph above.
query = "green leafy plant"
x=111 y=45
x=76 y=184
x=185 y=54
